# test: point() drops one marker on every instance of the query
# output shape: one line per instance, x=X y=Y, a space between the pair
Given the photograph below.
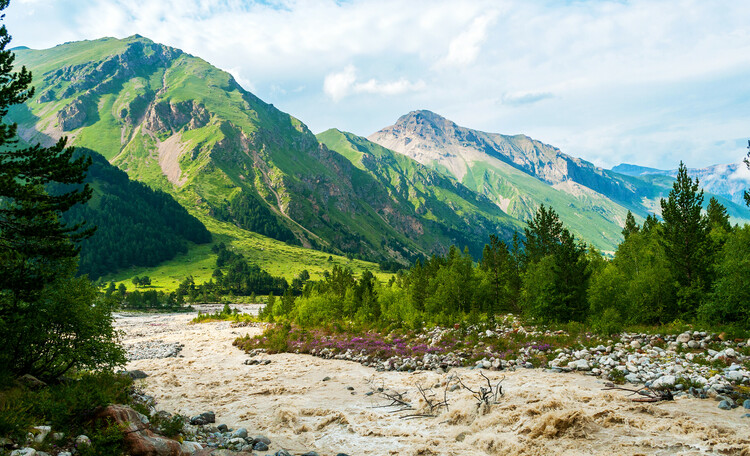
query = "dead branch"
x=649 y=395
x=489 y=395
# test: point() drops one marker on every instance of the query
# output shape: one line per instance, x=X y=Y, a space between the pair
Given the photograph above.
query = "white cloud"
x=464 y=48
x=338 y=85
x=649 y=81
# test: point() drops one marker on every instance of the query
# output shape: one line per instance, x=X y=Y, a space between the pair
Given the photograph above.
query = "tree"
x=686 y=243
x=630 y=225
x=497 y=264
x=747 y=163
x=557 y=273
x=717 y=216
x=48 y=319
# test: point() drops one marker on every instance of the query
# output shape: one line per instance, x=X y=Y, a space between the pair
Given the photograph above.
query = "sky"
x=649 y=82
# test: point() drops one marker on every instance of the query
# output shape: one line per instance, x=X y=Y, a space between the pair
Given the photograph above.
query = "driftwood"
x=647 y=395
x=485 y=396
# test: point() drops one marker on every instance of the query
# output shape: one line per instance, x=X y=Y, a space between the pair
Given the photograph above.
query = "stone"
x=138 y=439
x=725 y=405
x=262 y=438
x=223 y=428
x=632 y=378
x=311 y=453
x=64 y=453
x=190 y=447
x=136 y=374
x=746 y=404
x=241 y=433
x=24 y=452
x=57 y=436
x=684 y=338
x=83 y=440
x=635 y=344
x=260 y=446
x=580 y=364
x=31 y=382
x=693 y=344
x=325 y=379
x=203 y=418
x=734 y=376
x=665 y=381
x=282 y=453
x=730 y=353
x=41 y=433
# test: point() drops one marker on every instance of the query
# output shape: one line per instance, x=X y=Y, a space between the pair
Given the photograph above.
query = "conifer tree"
x=717 y=215
x=630 y=226
x=685 y=240
x=47 y=320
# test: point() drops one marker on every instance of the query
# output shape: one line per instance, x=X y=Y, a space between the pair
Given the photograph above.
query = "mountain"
x=136 y=225
x=519 y=173
x=729 y=181
x=468 y=215
x=175 y=122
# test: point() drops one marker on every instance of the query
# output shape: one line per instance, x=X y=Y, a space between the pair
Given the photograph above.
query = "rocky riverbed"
x=303 y=403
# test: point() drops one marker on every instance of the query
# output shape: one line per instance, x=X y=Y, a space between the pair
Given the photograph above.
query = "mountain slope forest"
x=136 y=225
x=178 y=124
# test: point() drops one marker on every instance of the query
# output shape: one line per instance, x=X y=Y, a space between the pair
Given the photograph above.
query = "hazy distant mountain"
x=729 y=181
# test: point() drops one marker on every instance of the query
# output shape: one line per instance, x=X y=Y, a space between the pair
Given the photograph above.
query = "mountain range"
x=729 y=180
x=178 y=124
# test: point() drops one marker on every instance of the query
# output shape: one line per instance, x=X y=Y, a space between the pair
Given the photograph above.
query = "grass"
x=276 y=257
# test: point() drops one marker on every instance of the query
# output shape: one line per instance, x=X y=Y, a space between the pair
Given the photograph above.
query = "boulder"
x=139 y=441
x=203 y=418
x=31 y=382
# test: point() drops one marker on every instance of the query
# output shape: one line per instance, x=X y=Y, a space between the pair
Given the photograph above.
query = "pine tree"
x=717 y=215
x=685 y=240
x=630 y=225
x=747 y=163
x=47 y=320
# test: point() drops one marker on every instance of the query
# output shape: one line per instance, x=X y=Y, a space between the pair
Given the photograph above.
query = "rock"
x=729 y=352
x=632 y=378
x=57 y=436
x=325 y=379
x=24 y=452
x=262 y=438
x=341 y=454
x=41 y=433
x=83 y=440
x=665 y=381
x=223 y=428
x=693 y=344
x=580 y=364
x=203 y=418
x=684 y=338
x=136 y=374
x=260 y=446
x=311 y=453
x=746 y=404
x=350 y=388
x=725 y=405
x=241 y=433
x=31 y=382
x=635 y=344
x=138 y=439
x=64 y=453
x=734 y=376
x=282 y=453
x=746 y=415
x=190 y=447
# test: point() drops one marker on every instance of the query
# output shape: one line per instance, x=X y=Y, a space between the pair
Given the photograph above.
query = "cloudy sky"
x=649 y=82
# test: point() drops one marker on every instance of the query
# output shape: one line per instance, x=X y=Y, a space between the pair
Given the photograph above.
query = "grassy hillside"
x=276 y=257
x=175 y=122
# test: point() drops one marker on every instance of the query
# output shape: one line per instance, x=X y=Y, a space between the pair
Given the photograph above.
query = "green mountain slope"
x=136 y=226
x=518 y=174
x=175 y=122
x=435 y=198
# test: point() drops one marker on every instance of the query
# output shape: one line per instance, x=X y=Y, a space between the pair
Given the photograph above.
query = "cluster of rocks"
x=43 y=435
x=224 y=441
x=153 y=349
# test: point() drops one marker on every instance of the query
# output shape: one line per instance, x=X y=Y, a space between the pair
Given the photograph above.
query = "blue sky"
x=648 y=82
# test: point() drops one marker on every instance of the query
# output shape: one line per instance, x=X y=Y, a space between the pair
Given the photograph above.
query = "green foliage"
x=557 y=272
x=730 y=300
x=250 y=212
x=686 y=243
